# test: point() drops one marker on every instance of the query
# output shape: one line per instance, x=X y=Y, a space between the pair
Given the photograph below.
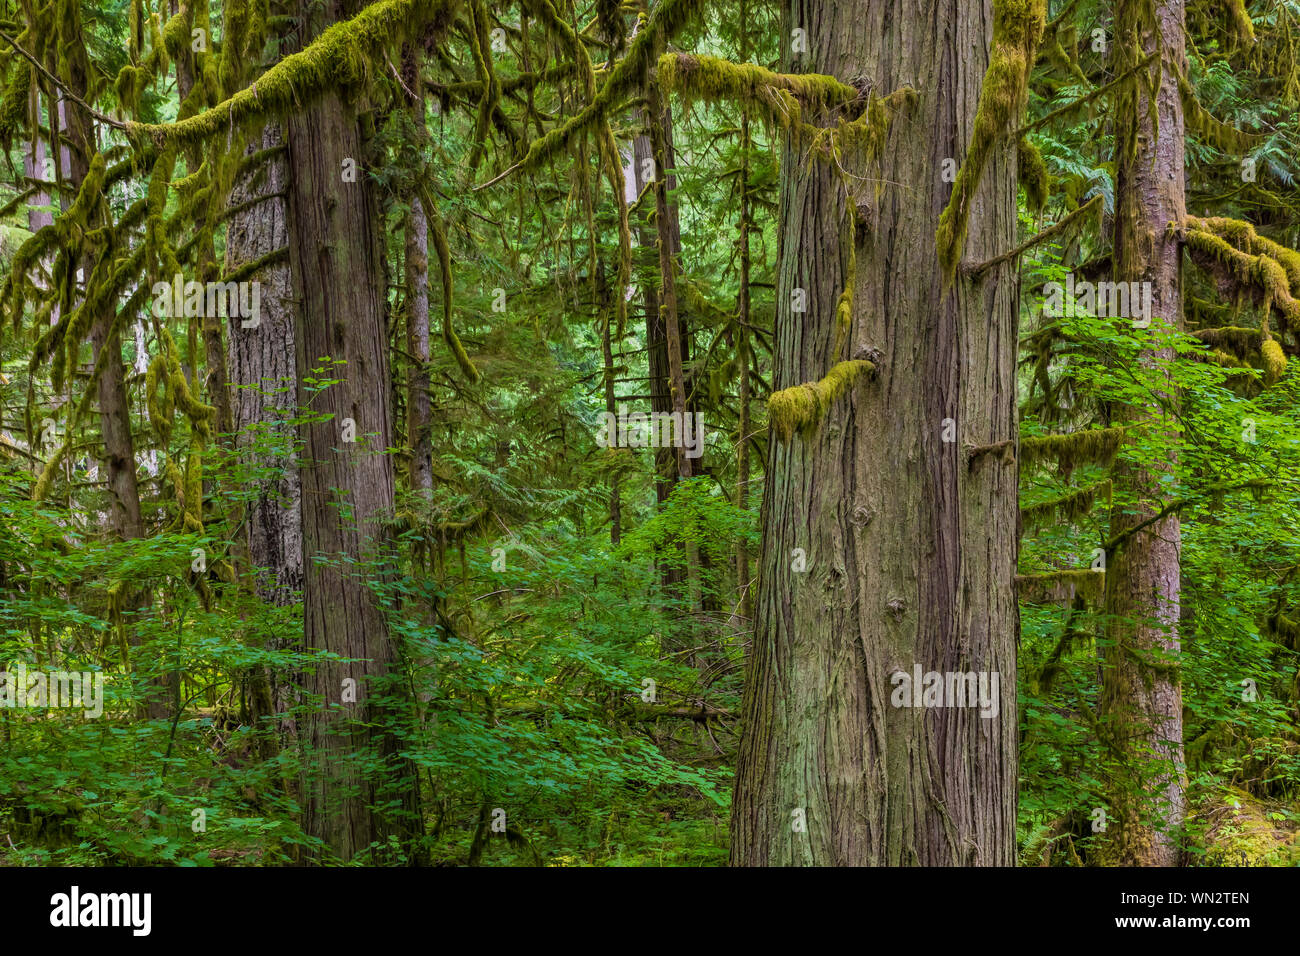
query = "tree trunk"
x=744 y=356
x=126 y=519
x=417 y=343
x=661 y=399
x=347 y=487
x=910 y=547
x=264 y=398
x=1141 y=700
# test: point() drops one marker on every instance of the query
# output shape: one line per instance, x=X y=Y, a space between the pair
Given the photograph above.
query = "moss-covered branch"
x=624 y=80
x=1232 y=249
x=800 y=408
x=1092 y=207
x=339 y=59
x=1061 y=587
x=1069 y=508
x=1096 y=446
x=780 y=97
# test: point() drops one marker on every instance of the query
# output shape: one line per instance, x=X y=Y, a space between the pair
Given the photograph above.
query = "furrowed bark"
x=910 y=552
x=347 y=488
x=263 y=376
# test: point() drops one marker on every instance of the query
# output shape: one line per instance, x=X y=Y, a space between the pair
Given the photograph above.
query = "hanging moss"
x=14 y=120
x=69 y=233
x=844 y=305
x=1239 y=20
x=801 y=407
x=1061 y=587
x=628 y=76
x=135 y=30
x=1210 y=129
x=438 y=232
x=1274 y=361
x=781 y=98
x=1069 y=508
x=608 y=151
x=864 y=136
x=1033 y=174
x=1017 y=27
x=1250 y=261
x=1287 y=630
x=1238 y=341
x=339 y=59
x=1096 y=446
x=192 y=503
x=176 y=35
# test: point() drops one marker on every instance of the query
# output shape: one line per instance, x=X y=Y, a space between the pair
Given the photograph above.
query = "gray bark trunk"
x=910 y=549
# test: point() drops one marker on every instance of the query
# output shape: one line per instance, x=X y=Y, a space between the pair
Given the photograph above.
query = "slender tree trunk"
x=645 y=166
x=1141 y=700
x=126 y=519
x=347 y=487
x=419 y=423
x=744 y=356
x=607 y=354
x=910 y=546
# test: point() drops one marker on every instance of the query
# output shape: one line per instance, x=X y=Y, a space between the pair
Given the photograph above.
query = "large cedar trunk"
x=347 y=488
x=262 y=369
x=1142 y=701
x=910 y=544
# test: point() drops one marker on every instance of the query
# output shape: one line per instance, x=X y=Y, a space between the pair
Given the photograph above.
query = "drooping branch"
x=781 y=97
x=1091 y=446
x=339 y=59
x=624 y=80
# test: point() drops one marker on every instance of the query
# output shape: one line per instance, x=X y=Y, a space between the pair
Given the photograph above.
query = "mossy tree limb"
x=800 y=408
